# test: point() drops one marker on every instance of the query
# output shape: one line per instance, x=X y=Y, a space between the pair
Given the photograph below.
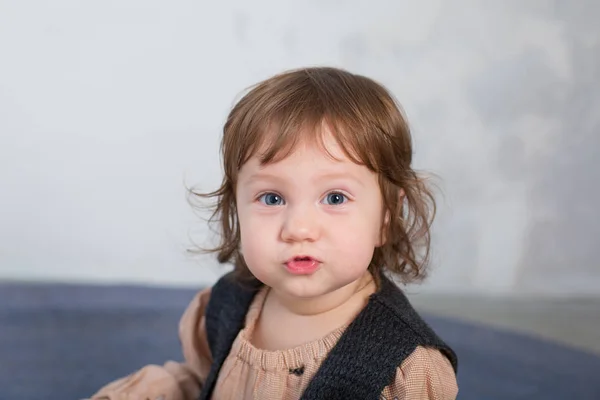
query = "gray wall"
x=108 y=108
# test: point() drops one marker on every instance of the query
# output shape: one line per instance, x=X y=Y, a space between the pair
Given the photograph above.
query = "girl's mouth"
x=302 y=265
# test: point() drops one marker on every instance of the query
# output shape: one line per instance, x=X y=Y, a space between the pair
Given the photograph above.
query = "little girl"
x=319 y=209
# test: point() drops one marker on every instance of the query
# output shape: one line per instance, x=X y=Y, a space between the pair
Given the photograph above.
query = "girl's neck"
x=282 y=324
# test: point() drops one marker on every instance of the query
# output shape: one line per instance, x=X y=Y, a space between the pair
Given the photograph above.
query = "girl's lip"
x=301 y=257
x=302 y=265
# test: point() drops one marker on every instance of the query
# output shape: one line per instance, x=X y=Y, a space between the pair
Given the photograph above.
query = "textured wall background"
x=108 y=108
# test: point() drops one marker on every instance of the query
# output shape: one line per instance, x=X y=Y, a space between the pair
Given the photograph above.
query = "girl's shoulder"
x=426 y=374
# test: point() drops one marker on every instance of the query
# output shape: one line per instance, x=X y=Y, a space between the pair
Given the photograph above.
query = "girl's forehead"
x=306 y=143
x=306 y=153
x=306 y=160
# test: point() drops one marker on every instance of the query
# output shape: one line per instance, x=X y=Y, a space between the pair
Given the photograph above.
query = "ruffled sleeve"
x=172 y=380
x=424 y=375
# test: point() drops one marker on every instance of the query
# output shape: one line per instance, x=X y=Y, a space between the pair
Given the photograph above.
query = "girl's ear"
x=401 y=195
x=386 y=219
x=383 y=230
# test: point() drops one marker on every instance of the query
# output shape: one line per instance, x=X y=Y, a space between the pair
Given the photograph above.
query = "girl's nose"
x=300 y=224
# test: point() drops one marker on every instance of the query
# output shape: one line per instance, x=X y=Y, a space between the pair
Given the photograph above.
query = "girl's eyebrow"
x=263 y=177
x=273 y=178
x=340 y=176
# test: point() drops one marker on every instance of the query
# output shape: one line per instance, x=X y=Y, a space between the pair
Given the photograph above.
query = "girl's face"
x=309 y=224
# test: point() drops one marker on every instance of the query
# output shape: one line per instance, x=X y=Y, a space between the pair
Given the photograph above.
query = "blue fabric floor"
x=66 y=341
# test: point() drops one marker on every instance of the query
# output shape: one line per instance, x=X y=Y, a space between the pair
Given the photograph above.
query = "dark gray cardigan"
x=361 y=364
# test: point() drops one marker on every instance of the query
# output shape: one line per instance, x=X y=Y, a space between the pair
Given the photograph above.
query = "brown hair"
x=370 y=128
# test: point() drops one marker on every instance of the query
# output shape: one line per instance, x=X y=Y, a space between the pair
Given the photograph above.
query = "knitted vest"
x=360 y=365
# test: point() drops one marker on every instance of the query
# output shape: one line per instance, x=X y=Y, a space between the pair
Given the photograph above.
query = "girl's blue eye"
x=271 y=199
x=335 y=199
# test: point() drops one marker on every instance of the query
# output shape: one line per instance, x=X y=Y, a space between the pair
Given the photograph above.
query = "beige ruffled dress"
x=252 y=373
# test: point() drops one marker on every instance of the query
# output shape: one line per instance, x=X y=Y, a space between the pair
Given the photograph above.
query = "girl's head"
x=327 y=123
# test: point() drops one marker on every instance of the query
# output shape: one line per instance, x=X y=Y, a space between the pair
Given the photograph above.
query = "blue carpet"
x=66 y=341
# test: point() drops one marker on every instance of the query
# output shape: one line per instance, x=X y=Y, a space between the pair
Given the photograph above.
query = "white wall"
x=108 y=108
